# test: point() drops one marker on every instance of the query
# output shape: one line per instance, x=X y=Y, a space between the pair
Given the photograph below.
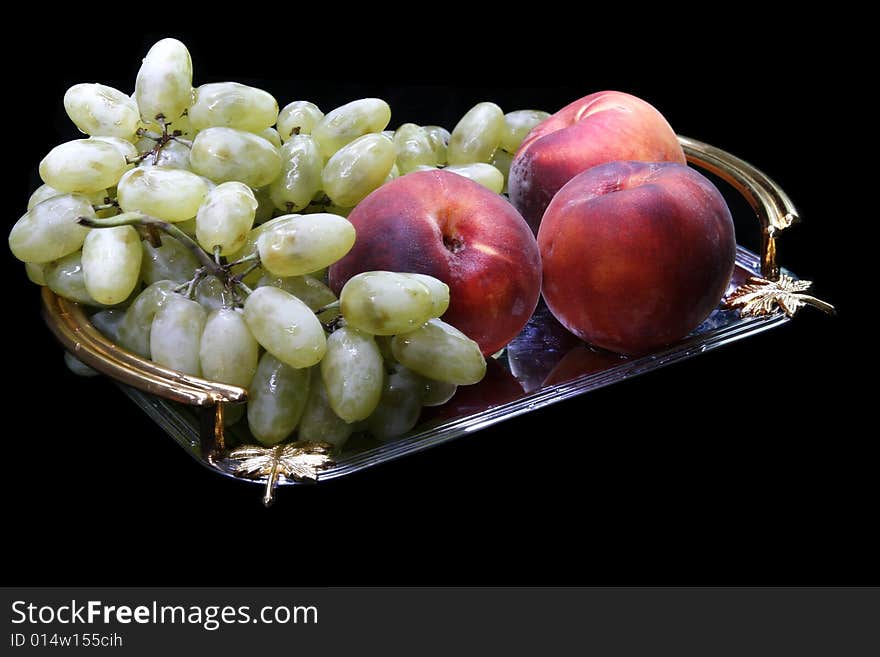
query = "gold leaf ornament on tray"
x=759 y=296
x=299 y=461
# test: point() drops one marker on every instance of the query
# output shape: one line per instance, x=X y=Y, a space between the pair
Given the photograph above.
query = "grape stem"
x=161 y=141
x=210 y=265
x=254 y=257
x=240 y=277
x=329 y=306
x=140 y=219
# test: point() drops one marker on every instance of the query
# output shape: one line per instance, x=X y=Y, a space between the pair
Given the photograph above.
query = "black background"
x=742 y=466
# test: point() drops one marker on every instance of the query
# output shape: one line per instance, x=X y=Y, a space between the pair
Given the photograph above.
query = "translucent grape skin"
x=308 y=289
x=277 y=398
x=352 y=372
x=285 y=327
x=225 y=217
x=108 y=322
x=45 y=192
x=250 y=243
x=163 y=87
x=169 y=194
x=271 y=135
x=134 y=329
x=502 y=160
x=99 y=110
x=128 y=150
x=439 y=139
x=304 y=244
x=49 y=230
x=35 y=272
x=211 y=293
x=265 y=207
x=232 y=105
x=83 y=166
x=65 y=278
x=227 y=154
x=318 y=422
x=439 y=351
x=176 y=333
x=484 y=174
x=400 y=406
x=357 y=169
x=437 y=393
x=111 y=261
x=300 y=177
x=517 y=125
x=439 y=292
x=170 y=261
x=228 y=353
x=298 y=118
x=477 y=135
x=413 y=147
x=346 y=123
x=385 y=303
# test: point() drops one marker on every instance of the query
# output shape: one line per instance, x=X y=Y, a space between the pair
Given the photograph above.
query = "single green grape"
x=65 y=278
x=277 y=397
x=111 y=262
x=163 y=87
x=227 y=154
x=481 y=173
x=412 y=147
x=50 y=230
x=285 y=327
x=232 y=105
x=400 y=405
x=99 y=110
x=385 y=303
x=439 y=138
x=305 y=243
x=300 y=178
x=352 y=372
x=318 y=422
x=477 y=135
x=176 y=333
x=298 y=118
x=83 y=166
x=169 y=194
x=133 y=331
x=170 y=261
x=357 y=169
x=346 y=123
x=228 y=353
x=439 y=351
x=517 y=125
x=225 y=217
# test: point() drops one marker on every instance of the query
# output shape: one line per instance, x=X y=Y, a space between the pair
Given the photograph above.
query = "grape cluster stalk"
x=197 y=224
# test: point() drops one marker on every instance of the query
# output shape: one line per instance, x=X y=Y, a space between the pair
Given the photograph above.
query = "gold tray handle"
x=71 y=326
x=772 y=291
x=774 y=208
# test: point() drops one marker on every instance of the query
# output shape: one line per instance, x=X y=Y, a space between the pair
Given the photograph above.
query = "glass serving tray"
x=543 y=365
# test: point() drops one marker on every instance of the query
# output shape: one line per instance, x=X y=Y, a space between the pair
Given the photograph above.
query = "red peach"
x=444 y=225
x=636 y=255
x=602 y=127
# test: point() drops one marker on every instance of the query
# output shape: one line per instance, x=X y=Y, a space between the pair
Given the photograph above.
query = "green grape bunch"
x=197 y=223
